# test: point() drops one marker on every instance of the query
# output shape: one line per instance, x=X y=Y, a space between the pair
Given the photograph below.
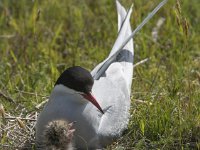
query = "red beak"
x=91 y=98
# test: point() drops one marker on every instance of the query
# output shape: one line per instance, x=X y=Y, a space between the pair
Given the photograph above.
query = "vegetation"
x=39 y=39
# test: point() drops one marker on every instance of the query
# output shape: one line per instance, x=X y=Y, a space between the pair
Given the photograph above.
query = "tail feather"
x=124 y=23
x=121 y=14
x=120 y=42
x=124 y=29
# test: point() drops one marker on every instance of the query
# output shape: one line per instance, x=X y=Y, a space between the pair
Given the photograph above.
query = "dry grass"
x=17 y=132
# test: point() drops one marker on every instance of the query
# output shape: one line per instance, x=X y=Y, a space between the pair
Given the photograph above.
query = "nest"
x=17 y=132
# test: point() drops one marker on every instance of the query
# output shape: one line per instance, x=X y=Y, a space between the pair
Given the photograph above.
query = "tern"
x=97 y=101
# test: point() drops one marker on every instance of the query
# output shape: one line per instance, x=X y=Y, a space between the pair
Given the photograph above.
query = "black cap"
x=76 y=78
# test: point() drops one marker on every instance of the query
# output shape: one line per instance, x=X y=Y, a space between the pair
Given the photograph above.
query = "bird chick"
x=58 y=135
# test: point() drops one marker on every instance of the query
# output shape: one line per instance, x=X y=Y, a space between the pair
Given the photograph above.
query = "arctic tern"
x=98 y=102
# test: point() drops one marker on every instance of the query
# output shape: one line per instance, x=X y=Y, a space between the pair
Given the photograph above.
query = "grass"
x=39 y=39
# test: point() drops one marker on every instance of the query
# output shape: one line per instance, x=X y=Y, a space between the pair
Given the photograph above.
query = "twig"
x=7 y=97
x=14 y=118
x=7 y=36
x=138 y=101
x=8 y=128
x=9 y=146
x=41 y=104
x=2 y=111
x=30 y=93
x=140 y=62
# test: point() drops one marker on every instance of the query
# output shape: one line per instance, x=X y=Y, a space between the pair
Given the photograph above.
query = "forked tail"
x=122 y=41
x=124 y=30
